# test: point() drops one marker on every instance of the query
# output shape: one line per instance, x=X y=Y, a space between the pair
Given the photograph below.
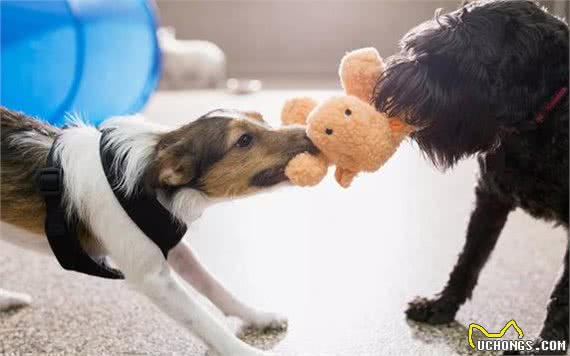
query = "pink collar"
x=551 y=105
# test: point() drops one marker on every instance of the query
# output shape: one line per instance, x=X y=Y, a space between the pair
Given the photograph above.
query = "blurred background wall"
x=300 y=38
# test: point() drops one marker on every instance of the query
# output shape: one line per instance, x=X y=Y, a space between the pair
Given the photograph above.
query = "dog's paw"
x=431 y=311
x=263 y=321
x=13 y=300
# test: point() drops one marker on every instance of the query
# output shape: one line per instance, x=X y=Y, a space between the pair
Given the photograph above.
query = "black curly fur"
x=472 y=81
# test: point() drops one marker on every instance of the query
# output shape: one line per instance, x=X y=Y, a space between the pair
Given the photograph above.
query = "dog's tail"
x=26 y=141
x=25 y=145
x=15 y=122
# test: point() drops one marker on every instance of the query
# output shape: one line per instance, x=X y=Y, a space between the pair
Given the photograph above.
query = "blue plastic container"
x=97 y=58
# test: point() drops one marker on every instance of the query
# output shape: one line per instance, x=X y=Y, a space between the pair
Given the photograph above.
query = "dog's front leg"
x=187 y=265
x=180 y=302
x=10 y=300
x=485 y=225
x=556 y=324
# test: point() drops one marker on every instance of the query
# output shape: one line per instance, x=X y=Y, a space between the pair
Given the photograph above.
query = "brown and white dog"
x=219 y=156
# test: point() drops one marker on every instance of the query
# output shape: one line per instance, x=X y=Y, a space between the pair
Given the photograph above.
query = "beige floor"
x=340 y=263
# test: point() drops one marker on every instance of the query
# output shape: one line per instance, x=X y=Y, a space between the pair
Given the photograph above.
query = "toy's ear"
x=296 y=110
x=344 y=176
x=359 y=71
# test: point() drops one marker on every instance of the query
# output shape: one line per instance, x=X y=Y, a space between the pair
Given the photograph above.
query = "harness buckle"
x=50 y=181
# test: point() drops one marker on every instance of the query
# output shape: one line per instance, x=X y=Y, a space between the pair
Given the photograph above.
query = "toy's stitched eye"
x=347 y=112
x=244 y=140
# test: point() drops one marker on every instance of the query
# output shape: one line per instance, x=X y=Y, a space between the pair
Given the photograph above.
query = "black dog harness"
x=61 y=230
x=155 y=221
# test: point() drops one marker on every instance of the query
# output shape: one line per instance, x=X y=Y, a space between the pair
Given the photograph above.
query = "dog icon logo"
x=498 y=335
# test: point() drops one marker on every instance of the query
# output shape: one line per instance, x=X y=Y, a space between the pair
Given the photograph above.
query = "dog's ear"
x=453 y=120
x=177 y=157
x=359 y=71
x=175 y=163
x=254 y=115
x=183 y=155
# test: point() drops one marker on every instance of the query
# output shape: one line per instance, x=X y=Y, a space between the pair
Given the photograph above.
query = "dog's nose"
x=329 y=131
x=298 y=141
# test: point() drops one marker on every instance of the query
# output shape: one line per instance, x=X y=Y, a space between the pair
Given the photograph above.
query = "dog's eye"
x=244 y=140
x=347 y=112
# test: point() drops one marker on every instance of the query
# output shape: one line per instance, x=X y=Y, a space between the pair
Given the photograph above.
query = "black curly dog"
x=489 y=79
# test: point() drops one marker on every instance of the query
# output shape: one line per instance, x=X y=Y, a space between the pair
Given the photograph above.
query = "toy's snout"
x=347 y=114
x=352 y=134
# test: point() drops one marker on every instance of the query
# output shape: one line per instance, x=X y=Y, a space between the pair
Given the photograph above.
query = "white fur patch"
x=135 y=139
x=188 y=204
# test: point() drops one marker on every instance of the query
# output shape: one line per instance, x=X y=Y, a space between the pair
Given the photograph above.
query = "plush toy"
x=347 y=129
